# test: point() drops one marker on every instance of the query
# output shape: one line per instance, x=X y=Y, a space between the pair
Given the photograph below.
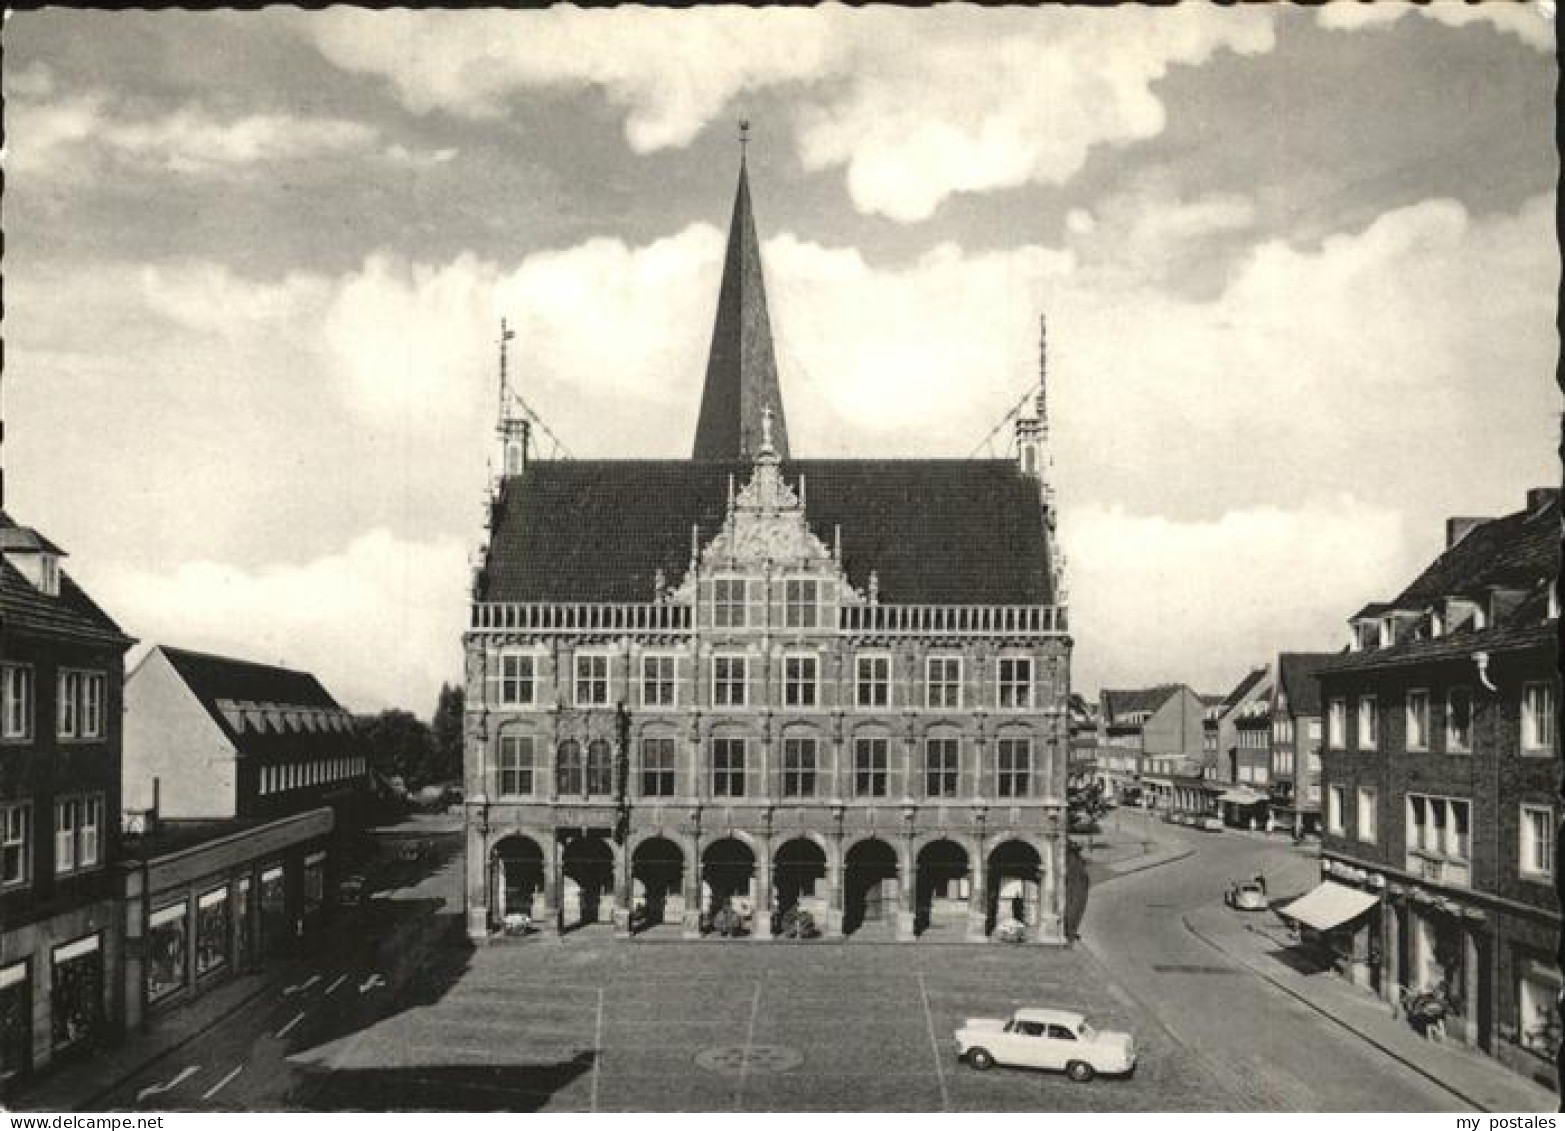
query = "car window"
x=1031 y=1028
x=1060 y=1033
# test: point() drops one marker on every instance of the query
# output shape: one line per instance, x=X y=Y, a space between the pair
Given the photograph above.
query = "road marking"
x=283 y=1032
x=158 y=1089
x=934 y=1044
x=221 y=1084
x=370 y=983
x=301 y=987
x=597 y=1049
x=341 y=978
x=749 y=1040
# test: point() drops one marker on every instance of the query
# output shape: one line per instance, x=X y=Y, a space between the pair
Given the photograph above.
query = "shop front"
x=1341 y=925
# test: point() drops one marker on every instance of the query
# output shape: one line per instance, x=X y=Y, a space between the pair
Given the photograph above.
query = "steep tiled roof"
x=1118 y=704
x=741 y=370
x=1513 y=637
x=1243 y=687
x=220 y=678
x=70 y=613
x=933 y=531
x=1296 y=677
x=1515 y=551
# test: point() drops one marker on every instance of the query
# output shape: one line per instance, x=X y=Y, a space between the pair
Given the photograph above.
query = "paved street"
x=592 y=1024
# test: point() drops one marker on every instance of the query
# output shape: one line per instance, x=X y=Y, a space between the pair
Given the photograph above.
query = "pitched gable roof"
x=1296 y=677
x=71 y=613
x=1243 y=688
x=1516 y=551
x=1118 y=704
x=933 y=531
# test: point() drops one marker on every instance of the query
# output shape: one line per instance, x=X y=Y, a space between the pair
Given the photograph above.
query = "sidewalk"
x=1135 y=845
x=1254 y=940
x=78 y=1086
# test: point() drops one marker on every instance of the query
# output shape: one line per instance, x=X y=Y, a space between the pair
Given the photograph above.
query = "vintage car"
x=1209 y=824
x=1056 y=1039
x=1248 y=896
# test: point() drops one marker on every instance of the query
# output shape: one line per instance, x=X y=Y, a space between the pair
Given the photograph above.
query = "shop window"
x=16 y=1021
x=168 y=941
x=799 y=767
x=76 y=994
x=1537 y=1023
x=211 y=930
x=312 y=889
x=244 y=947
x=273 y=894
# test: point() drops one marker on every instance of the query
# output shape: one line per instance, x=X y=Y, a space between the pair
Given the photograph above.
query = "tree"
x=446 y=734
x=399 y=744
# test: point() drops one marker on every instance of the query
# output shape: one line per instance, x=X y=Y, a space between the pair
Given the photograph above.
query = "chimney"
x=1457 y=528
x=1540 y=497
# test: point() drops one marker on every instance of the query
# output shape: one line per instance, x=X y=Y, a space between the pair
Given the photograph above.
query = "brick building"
x=1440 y=776
x=757 y=683
x=1139 y=725
x=1296 y=729
x=61 y=680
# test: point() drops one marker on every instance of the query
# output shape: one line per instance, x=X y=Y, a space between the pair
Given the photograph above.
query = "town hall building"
x=727 y=689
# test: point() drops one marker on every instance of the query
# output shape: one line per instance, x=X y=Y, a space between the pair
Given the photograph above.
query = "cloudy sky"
x=1299 y=268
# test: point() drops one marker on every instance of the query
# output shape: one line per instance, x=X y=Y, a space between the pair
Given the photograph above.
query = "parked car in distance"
x=1210 y=824
x=1056 y=1039
x=1248 y=896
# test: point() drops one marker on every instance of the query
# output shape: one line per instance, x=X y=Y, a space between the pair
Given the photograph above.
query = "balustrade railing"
x=880 y=620
x=566 y=617
x=961 y=620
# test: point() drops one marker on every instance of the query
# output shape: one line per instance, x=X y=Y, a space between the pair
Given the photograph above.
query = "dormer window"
x=34 y=557
x=49 y=574
x=1436 y=625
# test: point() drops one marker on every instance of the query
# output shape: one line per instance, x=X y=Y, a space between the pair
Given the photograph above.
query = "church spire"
x=741 y=369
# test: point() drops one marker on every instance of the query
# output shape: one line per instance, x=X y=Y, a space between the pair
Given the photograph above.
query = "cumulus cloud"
x=1532 y=23
x=1197 y=601
x=51 y=133
x=379 y=622
x=915 y=106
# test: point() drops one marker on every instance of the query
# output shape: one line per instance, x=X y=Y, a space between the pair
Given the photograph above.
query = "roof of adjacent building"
x=70 y=613
x=741 y=369
x=216 y=680
x=1243 y=688
x=1513 y=637
x=1117 y=704
x=933 y=531
x=1296 y=678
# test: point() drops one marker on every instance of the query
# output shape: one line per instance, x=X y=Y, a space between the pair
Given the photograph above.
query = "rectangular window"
x=800 y=680
x=1458 y=720
x=1336 y=802
x=1015 y=682
x=569 y=780
x=657 y=767
x=730 y=680
x=799 y=767
x=518 y=673
x=801 y=603
x=1014 y=762
x=1366 y=814
x=15 y=844
x=167 y=938
x=729 y=597
x=1337 y=724
x=16 y=701
x=592 y=681
x=869 y=767
x=942 y=766
x=657 y=680
x=874 y=681
x=1537 y=841
x=1439 y=827
x=91 y=721
x=1418 y=720
x=600 y=768
x=89 y=840
x=943 y=683
x=516 y=765
x=728 y=755
x=1537 y=717
x=68 y=685
x=1369 y=723
x=67 y=816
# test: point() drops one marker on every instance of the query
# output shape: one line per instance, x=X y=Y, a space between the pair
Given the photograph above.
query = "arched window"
x=568 y=773
x=600 y=768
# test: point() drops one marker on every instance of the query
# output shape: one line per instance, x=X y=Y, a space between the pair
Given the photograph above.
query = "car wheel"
x=1079 y=1071
x=980 y=1059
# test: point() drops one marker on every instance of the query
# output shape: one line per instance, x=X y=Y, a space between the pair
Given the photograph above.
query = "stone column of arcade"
x=977 y=902
x=690 y=928
x=548 y=918
x=1048 y=928
x=907 y=892
x=832 y=928
x=622 y=890
x=761 y=919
